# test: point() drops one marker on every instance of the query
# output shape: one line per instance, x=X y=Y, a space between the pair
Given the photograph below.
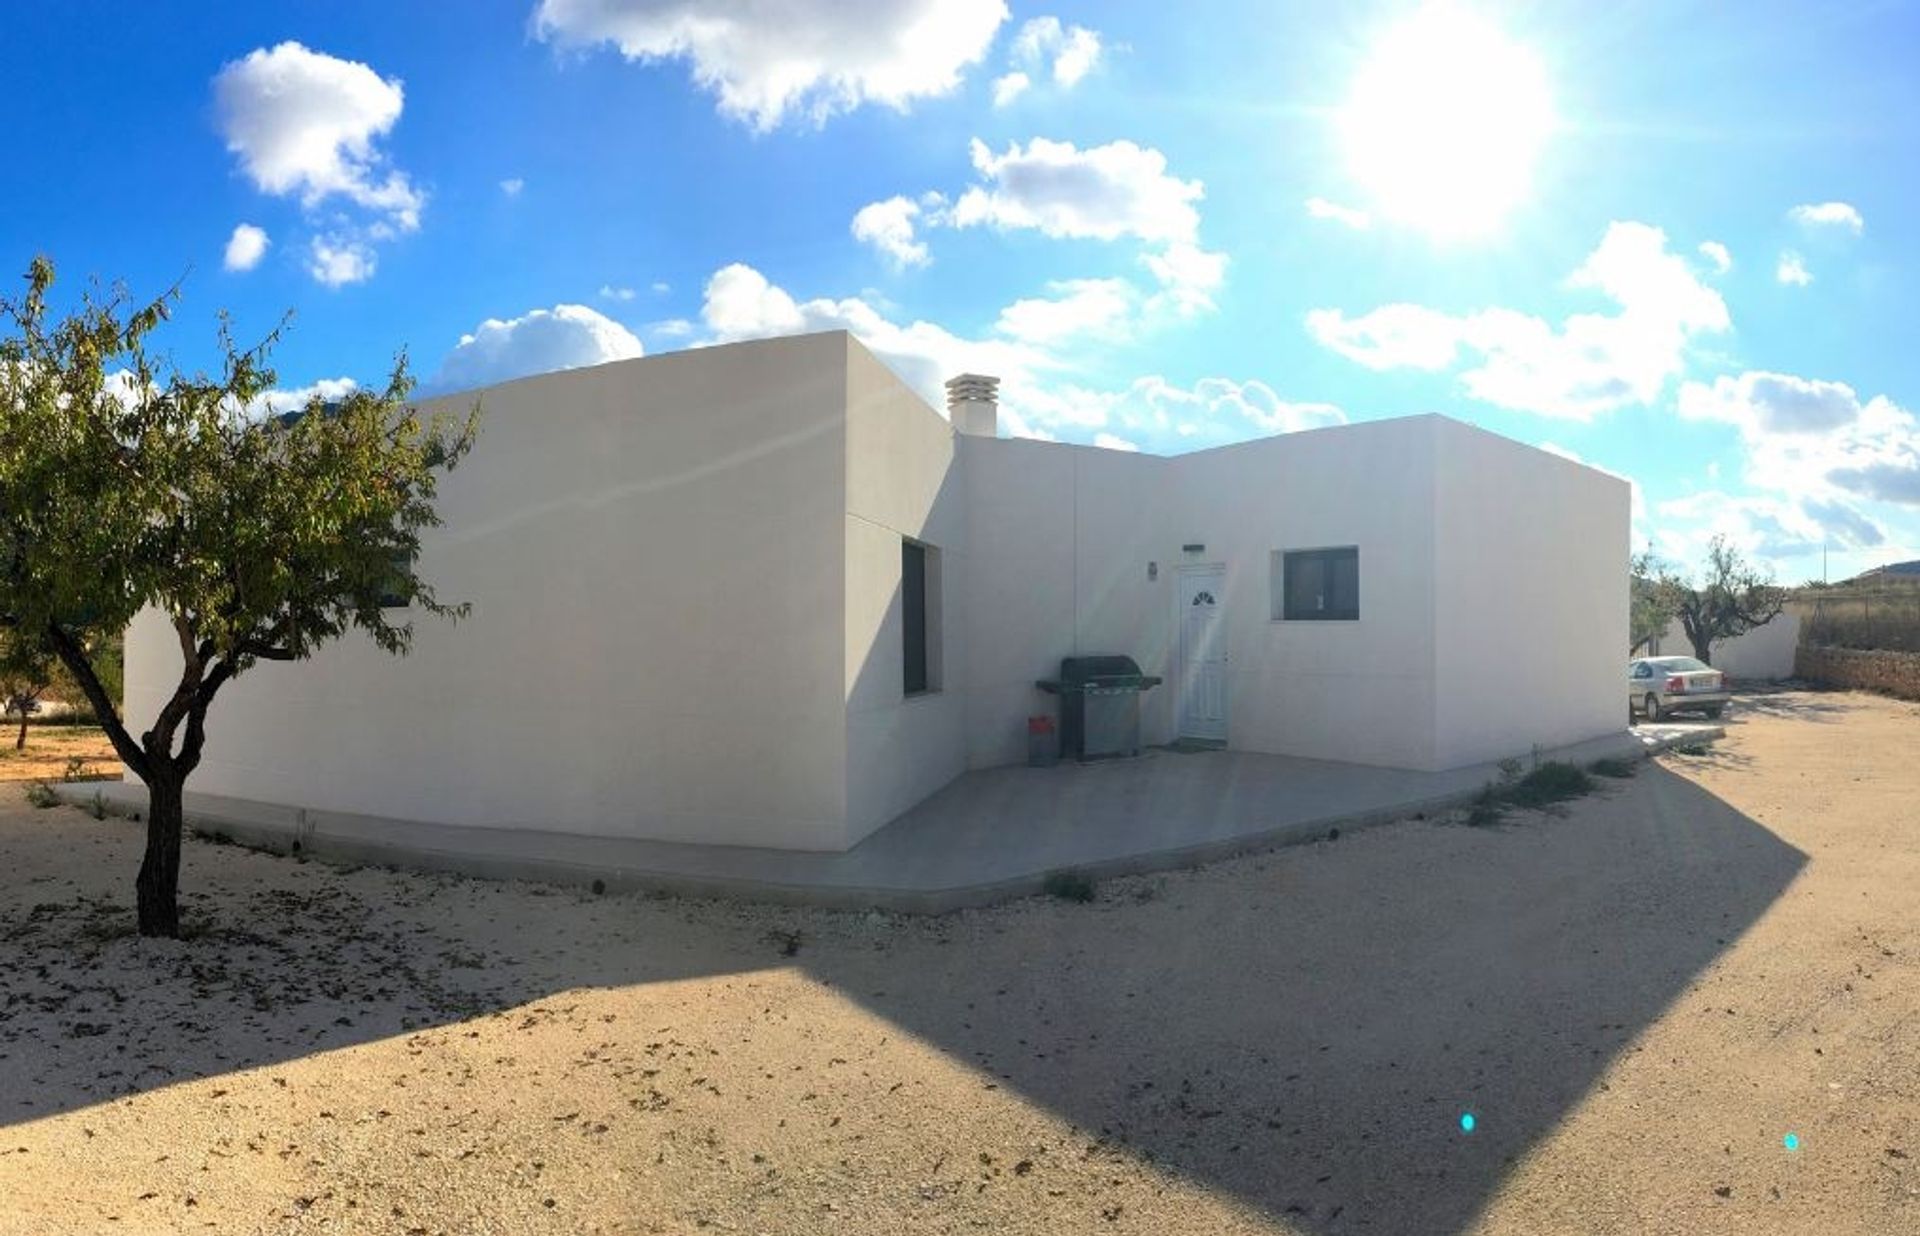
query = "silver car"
x=1660 y=686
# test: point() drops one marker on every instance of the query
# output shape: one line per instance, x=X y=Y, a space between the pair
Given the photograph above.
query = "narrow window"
x=1317 y=585
x=919 y=617
x=393 y=589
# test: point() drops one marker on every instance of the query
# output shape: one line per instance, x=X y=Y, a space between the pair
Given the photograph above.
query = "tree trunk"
x=20 y=743
x=159 y=880
x=1703 y=650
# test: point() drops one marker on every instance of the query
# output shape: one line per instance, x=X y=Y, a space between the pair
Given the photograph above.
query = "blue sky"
x=1163 y=226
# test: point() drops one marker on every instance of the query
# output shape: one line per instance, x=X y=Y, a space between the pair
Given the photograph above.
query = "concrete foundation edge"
x=298 y=832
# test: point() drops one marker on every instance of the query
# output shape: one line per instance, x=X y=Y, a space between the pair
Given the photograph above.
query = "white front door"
x=1203 y=654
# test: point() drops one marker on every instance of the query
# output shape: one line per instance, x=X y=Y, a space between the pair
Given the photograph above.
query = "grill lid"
x=1098 y=673
x=1082 y=669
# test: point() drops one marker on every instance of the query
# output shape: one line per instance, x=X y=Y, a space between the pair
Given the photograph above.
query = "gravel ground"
x=1638 y=998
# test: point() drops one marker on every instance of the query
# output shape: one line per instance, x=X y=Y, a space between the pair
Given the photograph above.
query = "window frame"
x=929 y=607
x=1281 y=566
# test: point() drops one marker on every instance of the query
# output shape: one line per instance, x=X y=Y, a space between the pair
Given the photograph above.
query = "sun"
x=1446 y=118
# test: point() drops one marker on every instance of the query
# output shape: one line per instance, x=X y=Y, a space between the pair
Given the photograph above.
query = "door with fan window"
x=1203 y=654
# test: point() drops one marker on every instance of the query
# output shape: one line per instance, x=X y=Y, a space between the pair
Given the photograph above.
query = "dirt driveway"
x=1638 y=1001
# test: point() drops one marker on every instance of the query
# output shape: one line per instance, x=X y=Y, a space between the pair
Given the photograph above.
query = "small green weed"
x=1555 y=781
x=1488 y=809
x=79 y=769
x=1552 y=782
x=1069 y=886
x=41 y=795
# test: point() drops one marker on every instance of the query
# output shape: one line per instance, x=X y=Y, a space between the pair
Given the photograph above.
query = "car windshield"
x=1679 y=665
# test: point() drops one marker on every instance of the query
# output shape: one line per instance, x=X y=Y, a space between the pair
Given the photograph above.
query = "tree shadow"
x=1302 y=1030
x=1798 y=703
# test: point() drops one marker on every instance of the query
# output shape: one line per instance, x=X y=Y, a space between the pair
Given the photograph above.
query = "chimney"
x=973 y=405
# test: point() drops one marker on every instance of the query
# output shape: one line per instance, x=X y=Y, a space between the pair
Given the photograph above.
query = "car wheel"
x=1714 y=711
x=1652 y=707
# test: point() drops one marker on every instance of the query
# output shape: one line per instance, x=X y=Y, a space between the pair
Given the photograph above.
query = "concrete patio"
x=990 y=836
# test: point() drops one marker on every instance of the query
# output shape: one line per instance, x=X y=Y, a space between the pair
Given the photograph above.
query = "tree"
x=1732 y=599
x=1652 y=606
x=257 y=538
x=27 y=674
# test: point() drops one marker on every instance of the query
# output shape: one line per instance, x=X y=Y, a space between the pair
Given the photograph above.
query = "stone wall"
x=1896 y=673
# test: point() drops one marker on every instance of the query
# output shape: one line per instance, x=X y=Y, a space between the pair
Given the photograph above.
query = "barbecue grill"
x=1099 y=705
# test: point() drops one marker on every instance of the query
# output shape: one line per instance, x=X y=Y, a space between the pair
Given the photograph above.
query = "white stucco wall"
x=1763 y=654
x=685 y=576
x=901 y=483
x=1350 y=690
x=1530 y=604
x=1060 y=538
x=655 y=552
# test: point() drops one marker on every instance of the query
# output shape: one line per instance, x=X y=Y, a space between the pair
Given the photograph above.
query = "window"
x=919 y=617
x=394 y=590
x=1316 y=585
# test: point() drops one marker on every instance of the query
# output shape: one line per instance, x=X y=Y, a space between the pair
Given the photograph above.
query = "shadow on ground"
x=1796 y=701
x=1301 y=1030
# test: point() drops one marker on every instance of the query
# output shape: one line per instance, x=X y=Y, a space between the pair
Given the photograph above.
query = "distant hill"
x=1908 y=569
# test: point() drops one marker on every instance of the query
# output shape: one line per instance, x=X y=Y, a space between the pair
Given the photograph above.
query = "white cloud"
x=539 y=341
x=661 y=288
x=766 y=61
x=245 y=247
x=1767 y=403
x=1188 y=275
x=1768 y=528
x=889 y=227
x=1321 y=208
x=1101 y=193
x=741 y=303
x=1113 y=192
x=512 y=186
x=1589 y=364
x=1398 y=336
x=1792 y=270
x=672 y=328
x=339 y=260
x=1073 y=50
x=1829 y=214
x=609 y=292
x=280 y=402
x=1814 y=439
x=303 y=122
x=1114 y=442
x=1079 y=308
x=1718 y=254
x=1211 y=411
x=1010 y=86
x=1109 y=193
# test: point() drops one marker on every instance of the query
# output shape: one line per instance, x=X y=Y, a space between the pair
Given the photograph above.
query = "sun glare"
x=1446 y=117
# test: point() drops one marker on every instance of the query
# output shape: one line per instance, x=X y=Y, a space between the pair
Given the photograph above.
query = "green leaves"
x=260 y=537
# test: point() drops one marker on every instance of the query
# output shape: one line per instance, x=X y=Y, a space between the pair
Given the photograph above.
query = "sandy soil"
x=1638 y=999
x=50 y=748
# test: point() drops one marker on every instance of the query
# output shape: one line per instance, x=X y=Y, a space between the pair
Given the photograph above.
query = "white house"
x=762 y=594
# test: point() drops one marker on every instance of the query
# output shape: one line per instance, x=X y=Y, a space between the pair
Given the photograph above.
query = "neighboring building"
x=762 y=594
x=1764 y=654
